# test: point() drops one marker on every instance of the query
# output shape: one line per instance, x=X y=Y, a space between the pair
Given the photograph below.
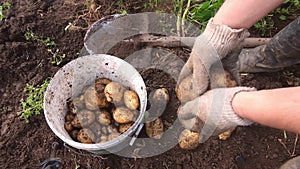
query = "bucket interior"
x=71 y=79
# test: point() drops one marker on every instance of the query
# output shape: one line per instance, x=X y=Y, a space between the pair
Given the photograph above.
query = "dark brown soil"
x=24 y=145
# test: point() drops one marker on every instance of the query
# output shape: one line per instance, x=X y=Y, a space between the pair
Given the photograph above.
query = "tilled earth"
x=24 y=145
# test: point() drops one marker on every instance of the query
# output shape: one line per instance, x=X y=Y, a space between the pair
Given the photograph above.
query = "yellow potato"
x=86 y=117
x=184 y=90
x=123 y=115
x=86 y=136
x=131 y=99
x=124 y=127
x=103 y=117
x=114 y=93
x=155 y=129
x=90 y=98
x=189 y=140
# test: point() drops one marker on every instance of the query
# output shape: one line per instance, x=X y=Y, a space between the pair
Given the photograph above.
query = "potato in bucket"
x=72 y=79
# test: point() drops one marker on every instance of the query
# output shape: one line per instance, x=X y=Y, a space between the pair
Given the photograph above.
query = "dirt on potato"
x=24 y=145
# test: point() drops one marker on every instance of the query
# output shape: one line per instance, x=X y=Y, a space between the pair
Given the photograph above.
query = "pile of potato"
x=102 y=112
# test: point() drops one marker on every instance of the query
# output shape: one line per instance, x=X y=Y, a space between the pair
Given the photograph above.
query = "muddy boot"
x=292 y=164
x=283 y=50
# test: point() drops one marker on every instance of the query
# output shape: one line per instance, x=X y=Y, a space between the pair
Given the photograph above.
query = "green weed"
x=152 y=4
x=5 y=6
x=29 y=35
x=288 y=8
x=195 y=11
x=34 y=101
x=56 y=57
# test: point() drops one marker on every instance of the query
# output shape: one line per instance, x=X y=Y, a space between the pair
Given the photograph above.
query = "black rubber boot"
x=283 y=50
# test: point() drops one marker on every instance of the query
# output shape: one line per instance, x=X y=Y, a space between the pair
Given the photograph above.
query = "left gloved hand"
x=210 y=47
x=212 y=113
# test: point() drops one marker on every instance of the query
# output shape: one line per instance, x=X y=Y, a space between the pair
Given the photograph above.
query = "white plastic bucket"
x=81 y=72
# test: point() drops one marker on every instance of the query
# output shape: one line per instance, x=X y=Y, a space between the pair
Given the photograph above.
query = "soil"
x=24 y=145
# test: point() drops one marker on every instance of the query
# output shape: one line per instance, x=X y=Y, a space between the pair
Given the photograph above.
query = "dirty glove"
x=212 y=113
x=210 y=47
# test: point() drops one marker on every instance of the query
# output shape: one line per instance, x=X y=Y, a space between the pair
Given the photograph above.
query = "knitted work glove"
x=212 y=113
x=210 y=47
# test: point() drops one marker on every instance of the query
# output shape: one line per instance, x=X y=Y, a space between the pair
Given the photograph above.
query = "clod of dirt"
x=86 y=136
x=189 y=140
x=123 y=115
x=90 y=98
x=184 y=90
x=114 y=93
x=103 y=117
x=155 y=129
x=86 y=117
x=131 y=99
x=124 y=127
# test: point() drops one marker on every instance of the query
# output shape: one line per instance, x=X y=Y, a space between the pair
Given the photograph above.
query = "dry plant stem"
x=292 y=154
x=183 y=17
x=172 y=41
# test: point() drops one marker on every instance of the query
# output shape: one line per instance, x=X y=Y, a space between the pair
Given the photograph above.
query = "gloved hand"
x=210 y=47
x=212 y=113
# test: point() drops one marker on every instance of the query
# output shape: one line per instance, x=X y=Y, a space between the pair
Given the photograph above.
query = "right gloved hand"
x=210 y=47
x=212 y=113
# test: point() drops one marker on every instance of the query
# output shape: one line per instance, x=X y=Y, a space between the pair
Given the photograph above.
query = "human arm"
x=243 y=14
x=278 y=108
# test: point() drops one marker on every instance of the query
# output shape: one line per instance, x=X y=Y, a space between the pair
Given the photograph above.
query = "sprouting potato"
x=131 y=99
x=103 y=117
x=123 y=115
x=189 y=140
x=124 y=127
x=68 y=126
x=86 y=117
x=114 y=93
x=90 y=98
x=100 y=84
x=86 y=136
x=185 y=90
x=155 y=129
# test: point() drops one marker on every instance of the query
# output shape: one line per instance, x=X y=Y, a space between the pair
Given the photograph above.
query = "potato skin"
x=114 y=93
x=123 y=115
x=86 y=136
x=185 y=90
x=131 y=99
x=86 y=117
x=103 y=117
x=189 y=140
x=124 y=127
x=90 y=98
x=155 y=129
